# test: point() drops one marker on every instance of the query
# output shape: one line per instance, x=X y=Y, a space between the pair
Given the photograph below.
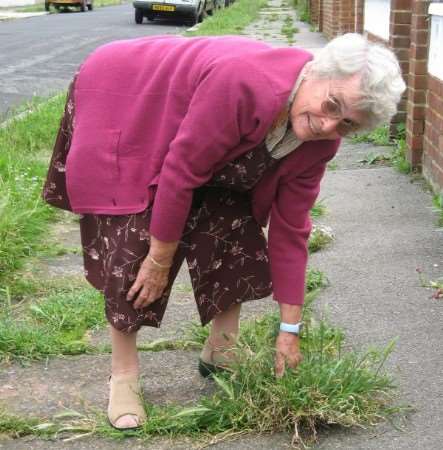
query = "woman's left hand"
x=287 y=353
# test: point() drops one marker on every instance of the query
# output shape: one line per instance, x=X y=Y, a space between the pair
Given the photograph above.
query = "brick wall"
x=417 y=86
x=314 y=8
x=433 y=135
x=359 y=13
x=335 y=17
x=400 y=41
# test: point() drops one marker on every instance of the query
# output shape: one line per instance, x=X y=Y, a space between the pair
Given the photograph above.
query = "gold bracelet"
x=160 y=266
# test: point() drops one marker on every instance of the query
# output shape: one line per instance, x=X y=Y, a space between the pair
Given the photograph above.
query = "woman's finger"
x=141 y=298
x=136 y=286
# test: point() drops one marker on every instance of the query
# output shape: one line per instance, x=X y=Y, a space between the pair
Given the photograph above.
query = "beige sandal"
x=214 y=360
x=125 y=398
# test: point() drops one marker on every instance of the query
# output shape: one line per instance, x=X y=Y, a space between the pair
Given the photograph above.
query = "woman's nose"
x=329 y=125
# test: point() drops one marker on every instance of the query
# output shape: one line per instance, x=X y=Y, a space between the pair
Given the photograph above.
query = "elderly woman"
x=174 y=148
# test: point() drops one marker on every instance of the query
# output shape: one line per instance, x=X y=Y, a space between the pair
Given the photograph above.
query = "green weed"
x=230 y=20
x=398 y=156
x=437 y=200
x=379 y=136
x=320 y=237
x=302 y=8
x=54 y=324
x=288 y=29
x=318 y=210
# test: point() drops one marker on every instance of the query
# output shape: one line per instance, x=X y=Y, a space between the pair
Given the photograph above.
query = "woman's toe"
x=127 y=421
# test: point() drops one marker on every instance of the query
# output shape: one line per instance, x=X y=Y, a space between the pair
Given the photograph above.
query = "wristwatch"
x=291 y=328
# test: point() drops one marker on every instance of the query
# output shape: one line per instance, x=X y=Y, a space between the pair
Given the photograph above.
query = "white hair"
x=382 y=84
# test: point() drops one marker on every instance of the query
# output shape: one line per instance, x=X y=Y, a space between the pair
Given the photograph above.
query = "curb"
x=12 y=15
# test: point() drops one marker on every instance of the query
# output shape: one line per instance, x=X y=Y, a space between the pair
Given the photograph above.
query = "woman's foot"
x=125 y=408
x=215 y=359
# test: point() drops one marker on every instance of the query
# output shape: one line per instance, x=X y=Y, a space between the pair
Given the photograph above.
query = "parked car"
x=82 y=4
x=190 y=10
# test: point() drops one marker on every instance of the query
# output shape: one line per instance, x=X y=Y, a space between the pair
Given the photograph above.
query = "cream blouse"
x=280 y=140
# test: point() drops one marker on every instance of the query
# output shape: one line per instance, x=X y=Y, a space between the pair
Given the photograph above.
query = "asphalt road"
x=39 y=55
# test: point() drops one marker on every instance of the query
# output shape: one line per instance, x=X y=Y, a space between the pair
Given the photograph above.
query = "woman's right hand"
x=150 y=283
x=152 y=277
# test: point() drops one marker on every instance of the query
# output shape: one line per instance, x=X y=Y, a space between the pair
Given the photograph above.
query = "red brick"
x=400 y=29
x=416 y=127
x=401 y=17
x=419 y=67
x=420 y=7
x=418 y=96
x=401 y=4
x=415 y=112
x=418 y=81
x=435 y=102
x=399 y=42
x=404 y=66
x=419 y=22
x=419 y=37
x=418 y=52
x=436 y=85
x=402 y=53
x=414 y=142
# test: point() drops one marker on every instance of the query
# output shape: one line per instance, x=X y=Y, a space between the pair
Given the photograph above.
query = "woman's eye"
x=334 y=105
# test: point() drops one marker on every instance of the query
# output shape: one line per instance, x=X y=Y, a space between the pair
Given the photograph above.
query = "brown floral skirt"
x=224 y=246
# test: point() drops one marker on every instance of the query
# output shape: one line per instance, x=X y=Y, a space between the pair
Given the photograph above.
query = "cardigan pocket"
x=132 y=163
x=93 y=155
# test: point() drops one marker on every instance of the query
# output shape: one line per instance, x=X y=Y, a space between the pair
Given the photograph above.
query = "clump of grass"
x=315 y=280
x=379 y=136
x=329 y=387
x=398 y=156
x=230 y=20
x=318 y=210
x=25 y=144
x=437 y=200
x=54 y=324
x=320 y=237
x=288 y=29
x=303 y=12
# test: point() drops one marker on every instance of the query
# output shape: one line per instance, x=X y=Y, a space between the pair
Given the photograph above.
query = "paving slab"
x=79 y=383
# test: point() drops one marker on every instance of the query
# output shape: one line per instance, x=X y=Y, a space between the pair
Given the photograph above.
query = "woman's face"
x=323 y=108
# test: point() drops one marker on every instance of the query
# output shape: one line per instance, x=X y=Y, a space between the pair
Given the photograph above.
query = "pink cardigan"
x=169 y=112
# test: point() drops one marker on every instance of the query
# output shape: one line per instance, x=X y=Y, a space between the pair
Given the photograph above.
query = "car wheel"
x=138 y=15
x=150 y=17
x=47 y=5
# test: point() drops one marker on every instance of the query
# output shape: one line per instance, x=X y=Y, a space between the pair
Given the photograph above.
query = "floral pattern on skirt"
x=224 y=246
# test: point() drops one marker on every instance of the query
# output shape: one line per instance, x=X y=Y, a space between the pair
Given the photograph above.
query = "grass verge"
x=230 y=20
x=24 y=218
